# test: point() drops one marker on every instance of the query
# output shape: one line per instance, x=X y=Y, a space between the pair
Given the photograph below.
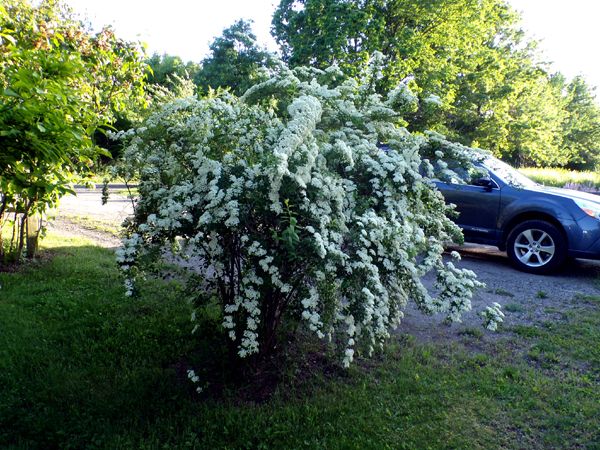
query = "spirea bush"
x=303 y=202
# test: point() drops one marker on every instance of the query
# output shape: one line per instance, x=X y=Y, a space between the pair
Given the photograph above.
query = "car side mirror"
x=485 y=182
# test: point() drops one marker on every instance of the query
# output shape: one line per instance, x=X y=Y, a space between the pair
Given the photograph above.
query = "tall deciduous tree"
x=479 y=81
x=235 y=60
x=435 y=42
x=581 y=128
x=58 y=84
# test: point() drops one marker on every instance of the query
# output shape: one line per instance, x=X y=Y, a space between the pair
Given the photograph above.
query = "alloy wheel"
x=534 y=248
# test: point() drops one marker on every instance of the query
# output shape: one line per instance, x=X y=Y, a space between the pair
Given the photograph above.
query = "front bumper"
x=583 y=236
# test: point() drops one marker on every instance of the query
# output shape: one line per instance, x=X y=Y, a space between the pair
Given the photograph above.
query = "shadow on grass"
x=76 y=355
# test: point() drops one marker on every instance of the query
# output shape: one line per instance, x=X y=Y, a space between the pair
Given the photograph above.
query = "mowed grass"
x=560 y=177
x=82 y=366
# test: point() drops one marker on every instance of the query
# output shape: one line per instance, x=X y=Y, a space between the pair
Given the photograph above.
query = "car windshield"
x=508 y=174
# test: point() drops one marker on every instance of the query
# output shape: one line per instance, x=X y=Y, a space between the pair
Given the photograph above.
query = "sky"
x=568 y=32
x=178 y=27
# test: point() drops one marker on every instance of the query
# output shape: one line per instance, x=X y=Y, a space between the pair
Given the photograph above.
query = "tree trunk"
x=34 y=226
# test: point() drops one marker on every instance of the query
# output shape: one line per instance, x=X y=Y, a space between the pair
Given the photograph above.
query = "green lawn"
x=81 y=366
x=560 y=177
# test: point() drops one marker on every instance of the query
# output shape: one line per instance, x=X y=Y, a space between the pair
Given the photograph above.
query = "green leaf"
x=9 y=38
x=104 y=152
x=10 y=93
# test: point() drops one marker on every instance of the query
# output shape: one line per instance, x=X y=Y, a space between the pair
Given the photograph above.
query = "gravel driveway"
x=526 y=299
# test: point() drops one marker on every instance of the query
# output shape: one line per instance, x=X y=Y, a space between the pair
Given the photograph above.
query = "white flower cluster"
x=492 y=316
x=126 y=257
x=194 y=379
x=433 y=99
x=402 y=99
x=292 y=209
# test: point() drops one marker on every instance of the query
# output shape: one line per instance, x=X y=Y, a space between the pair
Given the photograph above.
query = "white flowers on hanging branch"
x=304 y=200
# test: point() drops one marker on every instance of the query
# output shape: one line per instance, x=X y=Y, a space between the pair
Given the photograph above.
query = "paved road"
x=88 y=203
x=84 y=215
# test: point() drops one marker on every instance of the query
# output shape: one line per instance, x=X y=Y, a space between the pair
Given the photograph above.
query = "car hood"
x=567 y=193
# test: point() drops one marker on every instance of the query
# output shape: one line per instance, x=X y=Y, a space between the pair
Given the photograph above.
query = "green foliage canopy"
x=581 y=127
x=164 y=67
x=235 y=61
x=479 y=80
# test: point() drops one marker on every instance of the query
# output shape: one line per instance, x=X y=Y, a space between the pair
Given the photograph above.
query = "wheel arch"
x=530 y=215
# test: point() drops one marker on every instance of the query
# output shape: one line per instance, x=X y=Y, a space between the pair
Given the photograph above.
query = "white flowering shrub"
x=302 y=201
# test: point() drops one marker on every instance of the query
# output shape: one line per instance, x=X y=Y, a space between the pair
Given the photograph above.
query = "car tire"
x=536 y=246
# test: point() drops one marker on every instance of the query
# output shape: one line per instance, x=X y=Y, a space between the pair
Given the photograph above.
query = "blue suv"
x=538 y=226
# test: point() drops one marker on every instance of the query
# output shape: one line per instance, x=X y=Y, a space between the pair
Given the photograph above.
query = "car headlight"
x=590 y=208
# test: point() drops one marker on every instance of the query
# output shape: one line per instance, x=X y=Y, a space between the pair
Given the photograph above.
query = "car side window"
x=471 y=177
x=479 y=176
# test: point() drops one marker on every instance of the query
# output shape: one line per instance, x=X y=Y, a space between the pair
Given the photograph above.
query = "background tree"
x=58 y=84
x=517 y=114
x=235 y=60
x=581 y=127
x=434 y=42
x=480 y=82
x=164 y=67
x=321 y=33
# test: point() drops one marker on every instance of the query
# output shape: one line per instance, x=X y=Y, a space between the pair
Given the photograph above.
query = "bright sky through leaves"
x=568 y=31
